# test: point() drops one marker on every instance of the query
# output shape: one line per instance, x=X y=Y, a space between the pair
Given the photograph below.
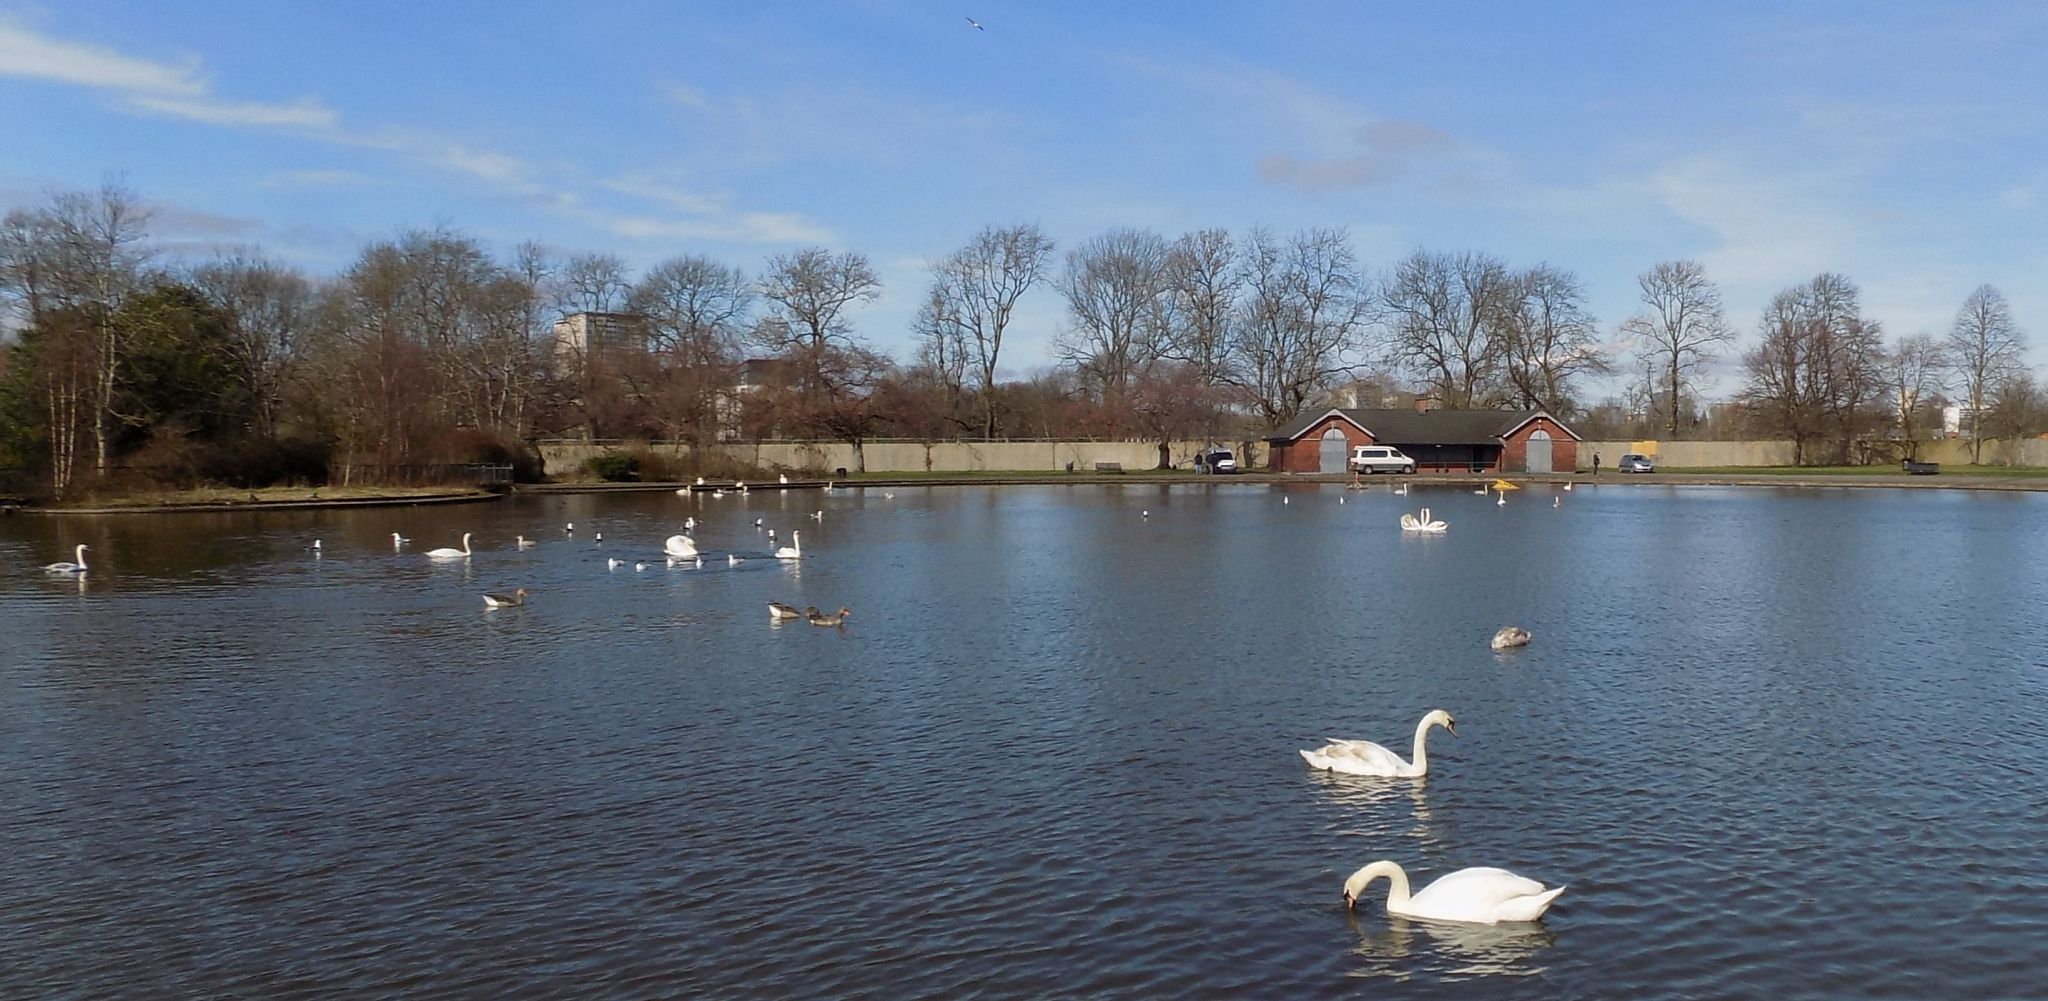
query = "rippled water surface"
x=1777 y=743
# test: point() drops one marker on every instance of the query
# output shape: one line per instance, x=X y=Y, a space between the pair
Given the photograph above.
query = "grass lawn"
x=2021 y=472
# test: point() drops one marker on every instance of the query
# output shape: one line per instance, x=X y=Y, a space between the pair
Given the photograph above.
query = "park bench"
x=1920 y=468
x=1109 y=467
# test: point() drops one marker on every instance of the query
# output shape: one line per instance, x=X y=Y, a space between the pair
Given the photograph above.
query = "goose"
x=1480 y=895
x=777 y=611
x=445 y=553
x=74 y=565
x=680 y=545
x=1363 y=757
x=1510 y=636
x=523 y=542
x=398 y=542
x=1423 y=523
x=514 y=599
x=733 y=559
x=793 y=551
x=837 y=618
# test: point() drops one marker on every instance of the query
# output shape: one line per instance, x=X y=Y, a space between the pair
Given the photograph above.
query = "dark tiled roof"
x=1437 y=427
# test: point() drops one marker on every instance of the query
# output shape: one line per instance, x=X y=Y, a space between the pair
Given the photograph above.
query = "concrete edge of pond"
x=1149 y=478
x=296 y=505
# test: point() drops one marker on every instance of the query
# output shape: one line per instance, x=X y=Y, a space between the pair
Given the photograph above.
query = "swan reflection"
x=1453 y=951
x=1369 y=798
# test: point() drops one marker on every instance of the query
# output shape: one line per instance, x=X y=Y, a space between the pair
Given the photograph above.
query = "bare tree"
x=1816 y=371
x=1915 y=371
x=1113 y=284
x=1985 y=346
x=1301 y=320
x=592 y=283
x=269 y=306
x=942 y=359
x=1203 y=283
x=1548 y=339
x=1680 y=327
x=696 y=310
x=1446 y=314
x=808 y=295
x=977 y=288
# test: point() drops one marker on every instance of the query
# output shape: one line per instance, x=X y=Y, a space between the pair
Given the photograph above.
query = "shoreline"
x=198 y=507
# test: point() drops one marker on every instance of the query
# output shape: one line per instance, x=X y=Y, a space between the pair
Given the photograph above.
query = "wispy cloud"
x=303 y=114
x=24 y=53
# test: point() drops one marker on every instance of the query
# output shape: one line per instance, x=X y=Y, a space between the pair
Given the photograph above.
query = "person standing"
x=1596 y=464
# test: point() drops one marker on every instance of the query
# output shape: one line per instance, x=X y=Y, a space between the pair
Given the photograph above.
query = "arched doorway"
x=1538 y=452
x=1333 y=451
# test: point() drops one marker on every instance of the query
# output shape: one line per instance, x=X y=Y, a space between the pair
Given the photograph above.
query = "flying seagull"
x=976 y=24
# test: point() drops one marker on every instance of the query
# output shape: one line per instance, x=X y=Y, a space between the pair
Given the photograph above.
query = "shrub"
x=613 y=467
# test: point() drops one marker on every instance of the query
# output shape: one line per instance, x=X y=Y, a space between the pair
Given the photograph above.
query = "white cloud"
x=25 y=53
x=745 y=227
x=304 y=114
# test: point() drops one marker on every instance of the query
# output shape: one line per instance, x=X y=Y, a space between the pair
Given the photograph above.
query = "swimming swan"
x=680 y=545
x=795 y=549
x=70 y=566
x=444 y=553
x=1423 y=523
x=512 y=600
x=1510 y=636
x=1363 y=757
x=1481 y=895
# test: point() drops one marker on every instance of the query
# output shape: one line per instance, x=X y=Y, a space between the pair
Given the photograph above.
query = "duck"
x=777 y=611
x=445 y=553
x=836 y=618
x=793 y=551
x=1480 y=895
x=1363 y=757
x=1510 y=636
x=74 y=565
x=512 y=600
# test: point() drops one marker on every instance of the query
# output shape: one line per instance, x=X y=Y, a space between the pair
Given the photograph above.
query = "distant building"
x=1496 y=441
x=580 y=337
x=755 y=376
x=1956 y=418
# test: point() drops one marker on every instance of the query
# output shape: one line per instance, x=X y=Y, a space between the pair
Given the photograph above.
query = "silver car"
x=1633 y=463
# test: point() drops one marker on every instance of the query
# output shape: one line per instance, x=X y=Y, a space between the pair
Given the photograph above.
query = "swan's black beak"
x=1350 y=902
x=1452 y=726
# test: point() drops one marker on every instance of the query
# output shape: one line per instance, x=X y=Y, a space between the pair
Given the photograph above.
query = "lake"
x=1778 y=743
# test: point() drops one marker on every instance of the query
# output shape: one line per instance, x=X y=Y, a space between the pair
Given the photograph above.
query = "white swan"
x=1503 y=501
x=1363 y=757
x=795 y=549
x=1567 y=488
x=1510 y=636
x=1423 y=523
x=680 y=545
x=1481 y=895
x=444 y=553
x=75 y=565
x=782 y=478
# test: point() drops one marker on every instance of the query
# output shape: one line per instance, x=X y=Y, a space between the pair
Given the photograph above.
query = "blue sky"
x=1905 y=144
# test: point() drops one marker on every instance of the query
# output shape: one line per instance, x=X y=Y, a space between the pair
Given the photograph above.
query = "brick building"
x=1494 y=441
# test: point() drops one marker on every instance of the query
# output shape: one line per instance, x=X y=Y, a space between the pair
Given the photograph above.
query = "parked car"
x=1371 y=459
x=1633 y=463
x=1215 y=460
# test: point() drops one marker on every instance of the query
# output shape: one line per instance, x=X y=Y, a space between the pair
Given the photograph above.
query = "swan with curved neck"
x=445 y=553
x=74 y=565
x=680 y=546
x=1363 y=757
x=795 y=549
x=1480 y=895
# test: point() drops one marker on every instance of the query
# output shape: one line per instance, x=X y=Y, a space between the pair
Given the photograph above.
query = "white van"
x=1370 y=459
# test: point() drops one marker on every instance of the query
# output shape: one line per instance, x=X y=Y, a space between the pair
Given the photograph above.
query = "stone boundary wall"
x=907 y=457
x=1683 y=454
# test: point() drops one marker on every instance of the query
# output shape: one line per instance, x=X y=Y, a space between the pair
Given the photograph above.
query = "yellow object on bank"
x=1504 y=485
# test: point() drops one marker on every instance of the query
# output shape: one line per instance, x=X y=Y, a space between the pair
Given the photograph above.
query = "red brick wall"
x=1564 y=452
x=1304 y=453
